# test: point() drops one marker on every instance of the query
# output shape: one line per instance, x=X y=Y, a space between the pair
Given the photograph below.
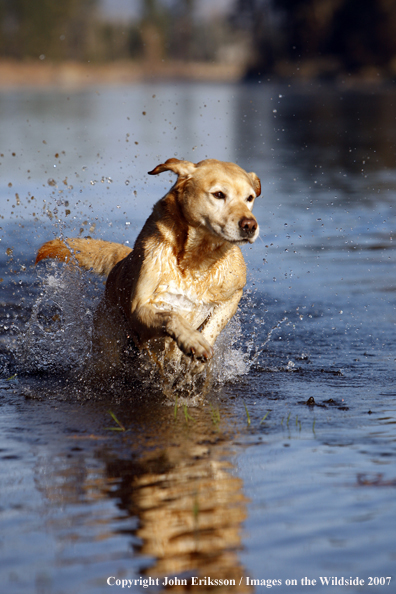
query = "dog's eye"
x=250 y=198
x=219 y=195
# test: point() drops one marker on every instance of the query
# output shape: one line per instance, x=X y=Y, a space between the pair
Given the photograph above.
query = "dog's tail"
x=91 y=254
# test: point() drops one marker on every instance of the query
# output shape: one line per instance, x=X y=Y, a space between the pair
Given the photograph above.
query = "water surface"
x=287 y=468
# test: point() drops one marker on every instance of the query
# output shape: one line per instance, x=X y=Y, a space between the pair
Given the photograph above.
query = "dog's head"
x=218 y=196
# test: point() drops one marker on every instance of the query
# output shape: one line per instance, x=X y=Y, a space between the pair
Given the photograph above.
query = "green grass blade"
x=264 y=417
x=120 y=425
x=247 y=413
x=187 y=416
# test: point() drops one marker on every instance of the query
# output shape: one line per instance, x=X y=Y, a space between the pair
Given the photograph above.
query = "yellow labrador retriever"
x=181 y=284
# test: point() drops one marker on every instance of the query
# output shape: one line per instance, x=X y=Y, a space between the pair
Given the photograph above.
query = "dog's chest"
x=181 y=297
x=184 y=299
x=191 y=292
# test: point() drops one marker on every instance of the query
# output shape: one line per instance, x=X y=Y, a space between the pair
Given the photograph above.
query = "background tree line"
x=76 y=30
x=269 y=36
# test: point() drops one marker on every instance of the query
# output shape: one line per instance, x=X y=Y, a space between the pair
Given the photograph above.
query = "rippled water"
x=286 y=470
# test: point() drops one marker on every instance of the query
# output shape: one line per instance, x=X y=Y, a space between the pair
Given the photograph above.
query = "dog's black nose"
x=248 y=226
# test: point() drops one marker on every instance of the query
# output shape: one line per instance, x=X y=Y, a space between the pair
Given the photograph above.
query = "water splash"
x=57 y=337
x=58 y=340
x=231 y=360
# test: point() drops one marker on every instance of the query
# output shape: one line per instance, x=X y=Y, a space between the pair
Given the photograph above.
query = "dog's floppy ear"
x=181 y=168
x=256 y=183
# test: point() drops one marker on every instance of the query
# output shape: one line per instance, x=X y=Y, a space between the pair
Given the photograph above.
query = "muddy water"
x=286 y=469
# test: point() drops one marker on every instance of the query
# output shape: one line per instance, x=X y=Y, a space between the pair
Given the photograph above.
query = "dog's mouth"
x=244 y=241
x=250 y=237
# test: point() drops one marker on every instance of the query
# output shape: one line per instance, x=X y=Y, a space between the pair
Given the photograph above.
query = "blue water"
x=287 y=468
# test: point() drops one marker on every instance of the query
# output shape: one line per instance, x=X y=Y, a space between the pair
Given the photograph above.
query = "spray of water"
x=58 y=339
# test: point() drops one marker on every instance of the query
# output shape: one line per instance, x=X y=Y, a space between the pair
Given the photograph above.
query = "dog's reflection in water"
x=190 y=509
x=171 y=472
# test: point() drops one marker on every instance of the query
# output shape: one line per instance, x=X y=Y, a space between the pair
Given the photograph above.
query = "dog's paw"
x=195 y=346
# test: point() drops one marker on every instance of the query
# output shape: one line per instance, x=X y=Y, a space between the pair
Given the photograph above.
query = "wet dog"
x=182 y=282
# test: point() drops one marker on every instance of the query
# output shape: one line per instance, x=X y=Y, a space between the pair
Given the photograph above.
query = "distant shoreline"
x=74 y=76
x=77 y=75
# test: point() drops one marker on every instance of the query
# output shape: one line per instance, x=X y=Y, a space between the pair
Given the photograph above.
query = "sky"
x=121 y=9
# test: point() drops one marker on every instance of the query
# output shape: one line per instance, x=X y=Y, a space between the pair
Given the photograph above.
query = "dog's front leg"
x=220 y=317
x=149 y=323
